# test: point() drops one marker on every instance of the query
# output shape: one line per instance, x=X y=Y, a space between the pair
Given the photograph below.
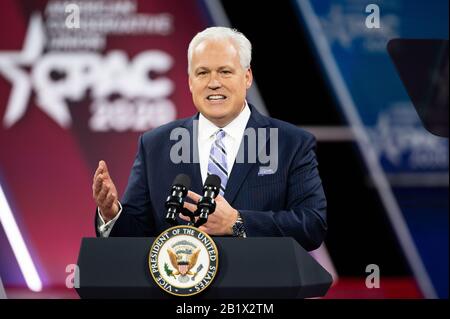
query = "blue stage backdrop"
x=369 y=91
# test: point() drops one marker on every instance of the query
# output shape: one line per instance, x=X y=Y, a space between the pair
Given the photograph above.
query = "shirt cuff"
x=104 y=228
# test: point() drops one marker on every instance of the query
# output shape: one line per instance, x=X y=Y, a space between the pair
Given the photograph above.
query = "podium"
x=255 y=267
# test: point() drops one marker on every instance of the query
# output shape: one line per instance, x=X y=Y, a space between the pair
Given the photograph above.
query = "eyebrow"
x=201 y=68
x=204 y=68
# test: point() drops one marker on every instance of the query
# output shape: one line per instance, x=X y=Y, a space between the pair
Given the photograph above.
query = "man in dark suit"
x=285 y=198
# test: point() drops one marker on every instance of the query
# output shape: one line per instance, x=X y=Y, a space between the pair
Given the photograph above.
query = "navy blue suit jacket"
x=288 y=202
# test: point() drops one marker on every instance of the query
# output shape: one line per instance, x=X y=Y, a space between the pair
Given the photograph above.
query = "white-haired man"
x=287 y=200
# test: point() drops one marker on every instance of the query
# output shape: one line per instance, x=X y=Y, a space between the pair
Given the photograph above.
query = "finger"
x=102 y=195
x=100 y=182
x=184 y=217
x=104 y=167
x=204 y=229
x=98 y=185
x=98 y=171
x=194 y=196
x=191 y=207
x=110 y=200
x=187 y=218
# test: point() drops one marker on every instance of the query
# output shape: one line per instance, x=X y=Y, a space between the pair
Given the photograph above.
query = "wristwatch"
x=238 y=229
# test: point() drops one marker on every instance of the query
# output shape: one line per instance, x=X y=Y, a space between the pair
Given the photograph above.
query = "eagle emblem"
x=183 y=256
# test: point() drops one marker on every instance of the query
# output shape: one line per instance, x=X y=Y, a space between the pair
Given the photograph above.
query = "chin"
x=216 y=111
x=216 y=117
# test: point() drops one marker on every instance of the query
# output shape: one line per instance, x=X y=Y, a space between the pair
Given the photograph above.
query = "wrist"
x=105 y=218
x=113 y=211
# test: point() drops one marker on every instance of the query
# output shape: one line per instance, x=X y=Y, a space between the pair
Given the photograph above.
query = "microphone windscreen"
x=182 y=180
x=213 y=180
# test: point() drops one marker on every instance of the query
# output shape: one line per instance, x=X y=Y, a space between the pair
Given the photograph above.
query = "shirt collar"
x=235 y=128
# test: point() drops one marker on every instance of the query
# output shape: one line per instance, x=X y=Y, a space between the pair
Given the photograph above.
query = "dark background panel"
x=287 y=73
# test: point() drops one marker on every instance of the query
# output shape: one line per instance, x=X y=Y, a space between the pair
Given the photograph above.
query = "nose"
x=214 y=83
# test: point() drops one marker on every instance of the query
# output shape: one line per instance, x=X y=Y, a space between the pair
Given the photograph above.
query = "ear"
x=248 y=78
x=190 y=83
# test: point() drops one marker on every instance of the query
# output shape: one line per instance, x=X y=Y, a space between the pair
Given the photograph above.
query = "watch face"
x=238 y=229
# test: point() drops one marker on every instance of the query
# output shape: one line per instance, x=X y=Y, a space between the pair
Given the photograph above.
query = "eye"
x=200 y=73
x=226 y=72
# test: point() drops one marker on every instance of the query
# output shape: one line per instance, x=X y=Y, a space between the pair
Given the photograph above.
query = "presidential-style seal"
x=183 y=260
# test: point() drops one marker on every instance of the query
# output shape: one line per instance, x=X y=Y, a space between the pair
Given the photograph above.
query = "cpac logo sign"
x=347 y=26
x=124 y=94
x=400 y=139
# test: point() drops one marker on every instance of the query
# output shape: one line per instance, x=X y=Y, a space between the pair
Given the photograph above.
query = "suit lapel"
x=193 y=168
x=240 y=170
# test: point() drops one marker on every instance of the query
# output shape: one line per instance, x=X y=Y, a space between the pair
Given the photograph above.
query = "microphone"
x=175 y=201
x=207 y=205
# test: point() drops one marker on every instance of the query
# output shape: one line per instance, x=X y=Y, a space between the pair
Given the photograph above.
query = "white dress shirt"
x=206 y=136
x=234 y=132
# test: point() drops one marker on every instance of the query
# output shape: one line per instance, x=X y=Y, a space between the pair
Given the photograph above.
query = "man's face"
x=218 y=82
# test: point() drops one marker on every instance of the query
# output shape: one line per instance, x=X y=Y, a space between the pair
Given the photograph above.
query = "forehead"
x=215 y=53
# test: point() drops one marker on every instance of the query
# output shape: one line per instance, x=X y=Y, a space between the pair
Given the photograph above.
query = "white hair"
x=243 y=45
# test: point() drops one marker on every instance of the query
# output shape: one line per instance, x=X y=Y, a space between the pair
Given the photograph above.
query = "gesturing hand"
x=105 y=193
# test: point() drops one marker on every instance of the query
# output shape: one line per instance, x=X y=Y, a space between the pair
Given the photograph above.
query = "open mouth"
x=216 y=97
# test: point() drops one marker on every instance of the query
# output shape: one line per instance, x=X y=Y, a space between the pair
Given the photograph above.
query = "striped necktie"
x=217 y=163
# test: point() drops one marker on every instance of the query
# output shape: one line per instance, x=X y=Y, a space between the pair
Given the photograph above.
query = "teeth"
x=216 y=97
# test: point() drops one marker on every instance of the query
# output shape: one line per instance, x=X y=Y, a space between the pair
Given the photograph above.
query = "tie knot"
x=220 y=134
